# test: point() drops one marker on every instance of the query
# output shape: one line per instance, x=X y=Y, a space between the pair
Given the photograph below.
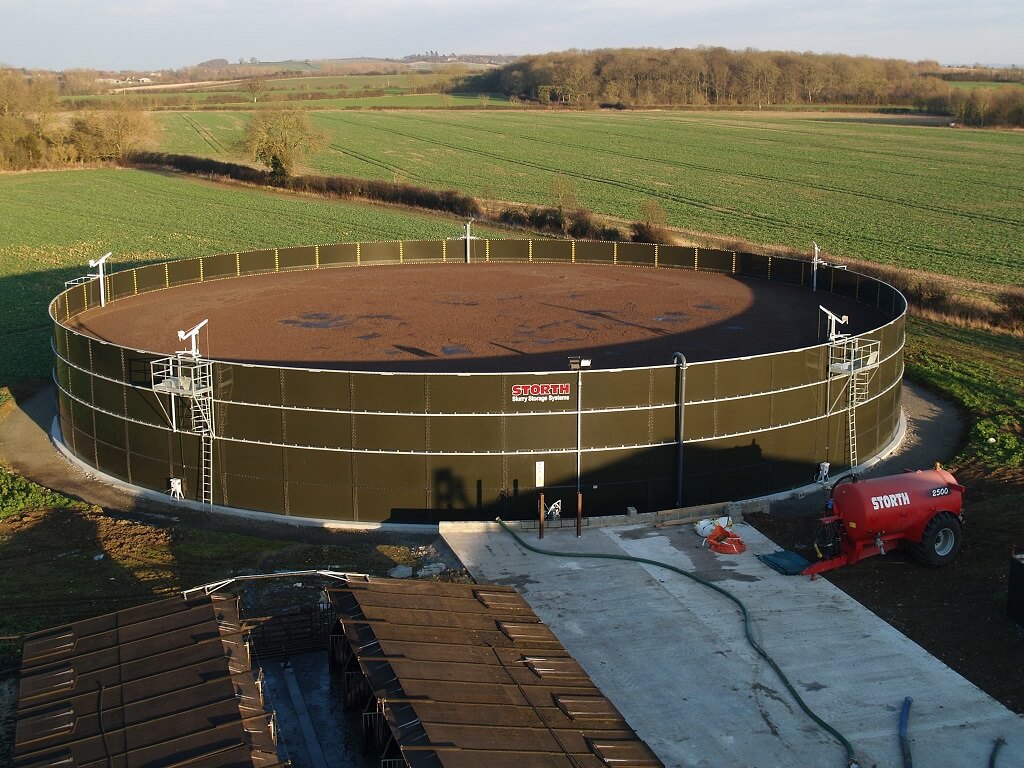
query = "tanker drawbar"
x=921 y=511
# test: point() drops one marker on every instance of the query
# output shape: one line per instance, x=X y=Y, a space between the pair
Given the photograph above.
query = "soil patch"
x=475 y=317
x=957 y=613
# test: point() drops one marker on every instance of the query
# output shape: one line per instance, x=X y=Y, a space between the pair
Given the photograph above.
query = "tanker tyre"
x=940 y=541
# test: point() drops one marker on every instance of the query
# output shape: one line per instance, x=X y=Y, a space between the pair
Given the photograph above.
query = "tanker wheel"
x=940 y=541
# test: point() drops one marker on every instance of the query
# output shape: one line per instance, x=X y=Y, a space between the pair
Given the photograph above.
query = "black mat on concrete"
x=786 y=562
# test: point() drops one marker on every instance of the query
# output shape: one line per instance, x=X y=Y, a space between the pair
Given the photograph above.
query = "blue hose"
x=851 y=760
x=995 y=751
x=908 y=759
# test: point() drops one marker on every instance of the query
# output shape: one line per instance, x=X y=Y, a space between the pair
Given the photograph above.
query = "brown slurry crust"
x=476 y=317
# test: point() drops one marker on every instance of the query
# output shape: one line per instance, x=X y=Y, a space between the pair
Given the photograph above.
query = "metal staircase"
x=190 y=379
x=852 y=363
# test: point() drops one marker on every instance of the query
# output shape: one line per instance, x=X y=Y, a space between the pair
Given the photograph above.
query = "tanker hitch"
x=919 y=511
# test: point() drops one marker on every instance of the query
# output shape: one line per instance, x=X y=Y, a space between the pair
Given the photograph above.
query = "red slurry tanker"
x=921 y=511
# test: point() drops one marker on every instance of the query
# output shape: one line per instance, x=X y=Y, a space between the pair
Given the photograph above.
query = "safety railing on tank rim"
x=573 y=251
x=160 y=275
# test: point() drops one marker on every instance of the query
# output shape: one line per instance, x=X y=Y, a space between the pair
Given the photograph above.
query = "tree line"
x=33 y=133
x=719 y=77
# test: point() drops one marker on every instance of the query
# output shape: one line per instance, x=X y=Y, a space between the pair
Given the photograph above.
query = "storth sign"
x=541 y=393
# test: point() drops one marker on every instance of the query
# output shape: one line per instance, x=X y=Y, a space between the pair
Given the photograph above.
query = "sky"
x=167 y=34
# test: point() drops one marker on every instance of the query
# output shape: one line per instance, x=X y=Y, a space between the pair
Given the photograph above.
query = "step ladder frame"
x=852 y=363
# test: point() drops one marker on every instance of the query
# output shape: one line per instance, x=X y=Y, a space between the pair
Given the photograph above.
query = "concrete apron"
x=672 y=655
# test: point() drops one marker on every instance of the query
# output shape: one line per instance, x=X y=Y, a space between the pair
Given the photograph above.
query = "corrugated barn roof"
x=168 y=683
x=462 y=676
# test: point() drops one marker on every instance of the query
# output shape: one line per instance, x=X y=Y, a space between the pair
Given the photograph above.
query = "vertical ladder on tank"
x=854 y=361
x=191 y=379
x=202 y=424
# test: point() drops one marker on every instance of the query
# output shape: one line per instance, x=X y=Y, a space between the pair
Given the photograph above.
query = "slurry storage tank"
x=394 y=381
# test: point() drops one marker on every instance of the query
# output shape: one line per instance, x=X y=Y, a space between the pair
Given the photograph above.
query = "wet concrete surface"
x=672 y=655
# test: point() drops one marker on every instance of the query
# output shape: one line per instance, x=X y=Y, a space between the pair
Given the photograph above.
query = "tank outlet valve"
x=880 y=544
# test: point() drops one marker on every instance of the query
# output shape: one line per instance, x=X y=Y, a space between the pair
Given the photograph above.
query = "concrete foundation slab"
x=672 y=656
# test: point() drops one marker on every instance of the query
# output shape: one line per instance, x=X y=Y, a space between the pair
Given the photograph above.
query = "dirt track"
x=479 y=317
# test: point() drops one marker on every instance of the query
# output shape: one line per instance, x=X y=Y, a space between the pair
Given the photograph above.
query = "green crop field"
x=209 y=134
x=872 y=188
x=398 y=91
x=353 y=83
x=983 y=373
x=974 y=85
x=61 y=220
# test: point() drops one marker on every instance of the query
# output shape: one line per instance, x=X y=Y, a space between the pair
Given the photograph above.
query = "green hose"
x=851 y=760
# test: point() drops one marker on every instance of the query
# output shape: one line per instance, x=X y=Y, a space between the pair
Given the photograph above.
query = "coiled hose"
x=851 y=759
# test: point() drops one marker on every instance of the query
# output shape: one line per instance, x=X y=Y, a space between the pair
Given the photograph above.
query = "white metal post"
x=103 y=281
x=680 y=360
x=579 y=424
x=578 y=364
x=814 y=267
x=469 y=239
x=175 y=368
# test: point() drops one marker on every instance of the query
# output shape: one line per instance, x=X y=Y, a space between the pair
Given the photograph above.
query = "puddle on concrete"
x=454 y=349
x=518 y=581
x=708 y=306
x=368 y=336
x=637 y=534
x=709 y=565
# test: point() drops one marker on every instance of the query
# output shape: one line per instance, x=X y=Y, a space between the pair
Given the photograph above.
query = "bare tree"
x=563 y=192
x=14 y=93
x=652 y=226
x=254 y=86
x=280 y=139
x=110 y=134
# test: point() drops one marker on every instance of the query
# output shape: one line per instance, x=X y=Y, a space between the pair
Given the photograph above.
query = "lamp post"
x=577 y=364
x=680 y=360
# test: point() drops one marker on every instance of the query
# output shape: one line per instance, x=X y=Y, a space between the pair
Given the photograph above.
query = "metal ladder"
x=202 y=424
x=858 y=394
x=854 y=360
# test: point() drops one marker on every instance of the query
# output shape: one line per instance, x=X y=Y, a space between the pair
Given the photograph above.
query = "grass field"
x=61 y=220
x=400 y=91
x=921 y=197
x=984 y=374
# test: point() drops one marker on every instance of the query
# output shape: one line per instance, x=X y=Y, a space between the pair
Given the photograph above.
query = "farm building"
x=440 y=675
x=167 y=683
